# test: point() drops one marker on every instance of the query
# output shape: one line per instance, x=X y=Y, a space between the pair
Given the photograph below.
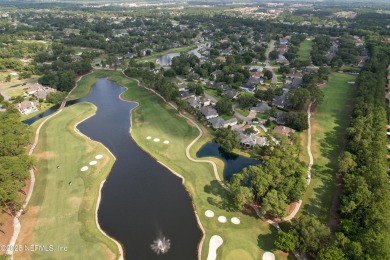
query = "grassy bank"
x=329 y=124
x=248 y=240
x=61 y=214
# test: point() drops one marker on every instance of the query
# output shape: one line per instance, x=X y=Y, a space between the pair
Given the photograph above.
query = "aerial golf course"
x=60 y=208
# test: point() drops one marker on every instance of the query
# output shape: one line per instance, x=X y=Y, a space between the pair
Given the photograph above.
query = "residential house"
x=257 y=74
x=253 y=80
x=279 y=117
x=231 y=93
x=249 y=141
x=185 y=94
x=282 y=48
x=42 y=93
x=261 y=107
x=284 y=130
x=282 y=59
x=32 y=89
x=281 y=101
x=129 y=55
x=216 y=73
x=248 y=87
x=209 y=112
x=194 y=102
x=27 y=107
x=219 y=122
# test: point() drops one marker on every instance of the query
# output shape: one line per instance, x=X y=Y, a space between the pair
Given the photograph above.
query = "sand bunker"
x=209 y=213
x=98 y=157
x=215 y=242
x=166 y=142
x=148 y=137
x=268 y=256
x=92 y=162
x=222 y=219
x=235 y=220
x=156 y=140
x=84 y=168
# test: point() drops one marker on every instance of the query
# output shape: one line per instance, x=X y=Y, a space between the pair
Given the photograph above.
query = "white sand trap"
x=84 y=168
x=148 y=137
x=98 y=157
x=215 y=242
x=222 y=219
x=166 y=142
x=156 y=140
x=92 y=162
x=235 y=221
x=209 y=213
x=268 y=256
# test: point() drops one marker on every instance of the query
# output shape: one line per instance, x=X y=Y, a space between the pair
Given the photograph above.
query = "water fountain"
x=161 y=245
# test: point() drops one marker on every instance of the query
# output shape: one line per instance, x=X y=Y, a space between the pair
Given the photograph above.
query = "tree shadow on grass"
x=266 y=241
x=222 y=199
x=319 y=204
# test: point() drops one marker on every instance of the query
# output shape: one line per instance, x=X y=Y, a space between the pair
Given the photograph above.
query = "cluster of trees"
x=348 y=52
x=321 y=45
x=274 y=185
x=164 y=85
x=61 y=73
x=14 y=163
x=227 y=139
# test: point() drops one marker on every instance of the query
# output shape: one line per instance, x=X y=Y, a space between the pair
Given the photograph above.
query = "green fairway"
x=61 y=213
x=252 y=236
x=329 y=124
x=153 y=56
x=305 y=49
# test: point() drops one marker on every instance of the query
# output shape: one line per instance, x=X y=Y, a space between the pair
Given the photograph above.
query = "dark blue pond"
x=233 y=163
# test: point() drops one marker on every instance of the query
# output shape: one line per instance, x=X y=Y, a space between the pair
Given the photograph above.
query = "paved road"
x=267 y=62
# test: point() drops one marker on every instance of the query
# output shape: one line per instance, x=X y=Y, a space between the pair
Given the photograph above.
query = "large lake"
x=141 y=199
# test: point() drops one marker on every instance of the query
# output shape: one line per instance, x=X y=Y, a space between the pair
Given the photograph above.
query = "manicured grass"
x=59 y=213
x=154 y=55
x=242 y=112
x=329 y=125
x=85 y=84
x=213 y=93
x=305 y=49
x=252 y=237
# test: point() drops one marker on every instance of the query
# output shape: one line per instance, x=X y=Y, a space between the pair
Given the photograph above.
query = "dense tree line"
x=14 y=163
x=321 y=45
x=365 y=218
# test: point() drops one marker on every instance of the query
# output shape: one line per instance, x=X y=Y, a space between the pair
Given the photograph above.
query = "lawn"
x=249 y=239
x=213 y=93
x=60 y=214
x=329 y=124
x=242 y=112
x=154 y=55
x=305 y=49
